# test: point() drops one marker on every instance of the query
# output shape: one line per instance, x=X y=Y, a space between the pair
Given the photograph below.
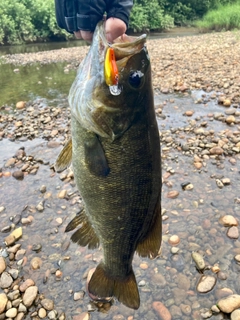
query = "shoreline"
x=210 y=62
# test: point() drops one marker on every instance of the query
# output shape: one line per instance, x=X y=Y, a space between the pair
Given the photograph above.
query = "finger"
x=86 y=35
x=114 y=28
x=78 y=34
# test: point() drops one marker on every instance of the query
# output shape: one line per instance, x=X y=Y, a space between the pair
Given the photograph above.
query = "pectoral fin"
x=85 y=235
x=64 y=158
x=95 y=158
x=150 y=245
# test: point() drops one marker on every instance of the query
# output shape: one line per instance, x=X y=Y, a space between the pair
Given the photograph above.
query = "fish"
x=115 y=155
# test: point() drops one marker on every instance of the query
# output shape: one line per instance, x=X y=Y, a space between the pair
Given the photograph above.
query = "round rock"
x=6 y=280
x=47 y=304
x=3 y=302
x=29 y=296
x=161 y=310
x=229 y=304
x=206 y=284
x=235 y=315
x=3 y=265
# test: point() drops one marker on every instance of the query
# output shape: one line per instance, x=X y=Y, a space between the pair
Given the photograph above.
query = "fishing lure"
x=110 y=68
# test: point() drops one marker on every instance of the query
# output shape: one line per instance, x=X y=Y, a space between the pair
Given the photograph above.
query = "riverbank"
x=209 y=62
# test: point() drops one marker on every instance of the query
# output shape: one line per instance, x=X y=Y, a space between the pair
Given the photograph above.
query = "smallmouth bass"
x=115 y=153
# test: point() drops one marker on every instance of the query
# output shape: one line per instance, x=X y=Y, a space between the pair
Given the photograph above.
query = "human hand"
x=114 y=28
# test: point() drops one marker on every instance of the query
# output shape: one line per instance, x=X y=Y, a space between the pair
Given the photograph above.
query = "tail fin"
x=126 y=290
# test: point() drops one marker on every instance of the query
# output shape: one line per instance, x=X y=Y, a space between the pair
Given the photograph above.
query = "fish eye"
x=135 y=78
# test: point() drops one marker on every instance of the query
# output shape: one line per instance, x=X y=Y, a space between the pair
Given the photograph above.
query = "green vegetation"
x=149 y=17
x=34 y=20
x=225 y=17
x=28 y=21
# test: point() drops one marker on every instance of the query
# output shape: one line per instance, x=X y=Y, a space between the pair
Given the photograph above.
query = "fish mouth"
x=124 y=46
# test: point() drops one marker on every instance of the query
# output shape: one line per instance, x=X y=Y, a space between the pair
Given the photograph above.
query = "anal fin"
x=150 y=245
x=125 y=290
x=85 y=235
x=64 y=158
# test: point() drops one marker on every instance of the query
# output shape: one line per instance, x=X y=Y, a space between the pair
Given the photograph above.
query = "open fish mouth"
x=124 y=46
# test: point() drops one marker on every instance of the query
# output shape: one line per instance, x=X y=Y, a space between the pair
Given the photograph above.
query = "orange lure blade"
x=110 y=68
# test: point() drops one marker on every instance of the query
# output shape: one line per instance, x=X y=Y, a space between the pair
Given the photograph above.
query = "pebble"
x=229 y=304
x=206 y=283
x=172 y=194
x=47 y=304
x=237 y=258
x=223 y=292
x=5 y=280
x=2 y=208
x=230 y=119
x=52 y=315
x=17 y=233
x=235 y=315
x=186 y=309
x=3 y=265
x=42 y=313
x=62 y=194
x=18 y=175
x=36 y=263
x=11 y=313
x=82 y=316
x=174 y=240
x=20 y=105
x=30 y=295
x=199 y=261
x=161 y=310
x=228 y=221
x=78 y=295
x=26 y=284
x=233 y=232
x=3 y=302
x=183 y=282
x=216 y=151
x=40 y=206
x=43 y=189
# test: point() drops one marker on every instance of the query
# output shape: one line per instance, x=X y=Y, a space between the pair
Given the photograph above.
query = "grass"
x=223 y=18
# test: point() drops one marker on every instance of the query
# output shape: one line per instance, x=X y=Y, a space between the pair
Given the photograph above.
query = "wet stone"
x=5 y=280
x=29 y=296
x=42 y=313
x=11 y=313
x=78 y=295
x=237 y=258
x=3 y=302
x=18 y=175
x=26 y=284
x=3 y=265
x=43 y=189
x=13 y=295
x=233 y=232
x=228 y=221
x=36 y=263
x=183 y=282
x=161 y=310
x=36 y=247
x=206 y=284
x=47 y=304
x=235 y=315
x=52 y=315
x=229 y=304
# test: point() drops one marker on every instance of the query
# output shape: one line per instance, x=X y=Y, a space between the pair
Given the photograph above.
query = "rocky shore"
x=209 y=62
x=42 y=275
